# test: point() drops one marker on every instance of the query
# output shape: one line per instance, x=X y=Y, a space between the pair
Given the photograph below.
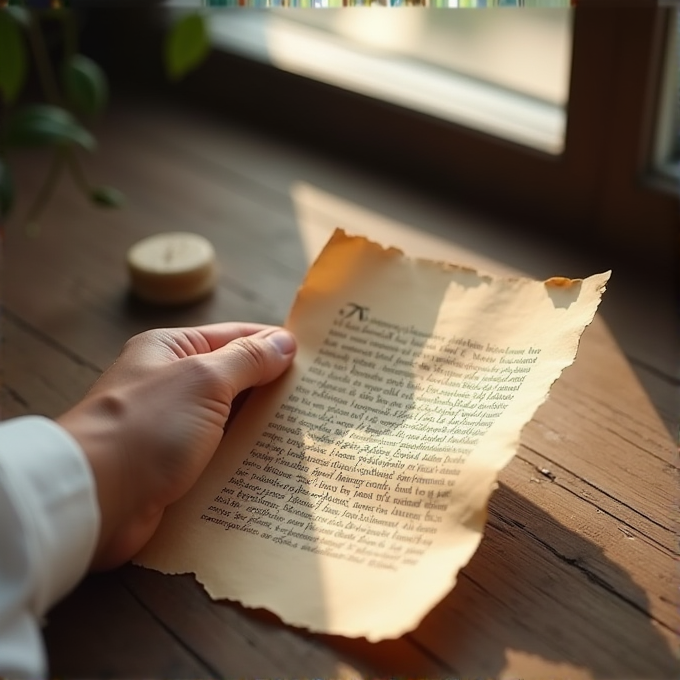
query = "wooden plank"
x=234 y=645
x=245 y=643
x=69 y=285
x=600 y=423
x=12 y=404
x=663 y=392
x=164 y=195
x=271 y=167
x=402 y=657
x=264 y=170
x=616 y=545
x=39 y=376
x=345 y=196
x=25 y=344
x=574 y=574
x=187 y=196
x=102 y=631
x=520 y=610
x=630 y=307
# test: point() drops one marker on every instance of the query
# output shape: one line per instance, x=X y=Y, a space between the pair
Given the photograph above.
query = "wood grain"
x=102 y=631
x=576 y=576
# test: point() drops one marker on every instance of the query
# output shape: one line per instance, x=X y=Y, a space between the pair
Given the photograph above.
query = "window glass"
x=503 y=71
x=667 y=149
x=526 y=51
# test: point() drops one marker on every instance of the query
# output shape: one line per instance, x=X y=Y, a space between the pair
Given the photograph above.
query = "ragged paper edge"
x=480 y=513
x=340 y=236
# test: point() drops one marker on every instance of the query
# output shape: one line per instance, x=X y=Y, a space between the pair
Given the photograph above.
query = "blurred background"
x=536 y=138
x=540 y=137
x=544 y=113
x=538 y=110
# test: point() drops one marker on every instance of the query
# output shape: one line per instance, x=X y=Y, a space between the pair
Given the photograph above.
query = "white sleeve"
x=49 y=525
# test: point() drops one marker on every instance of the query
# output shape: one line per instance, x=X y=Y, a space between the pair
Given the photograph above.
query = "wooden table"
x=576 y=575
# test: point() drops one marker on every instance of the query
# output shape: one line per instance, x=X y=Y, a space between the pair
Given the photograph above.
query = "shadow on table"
x=533 y=588
x=536 y=590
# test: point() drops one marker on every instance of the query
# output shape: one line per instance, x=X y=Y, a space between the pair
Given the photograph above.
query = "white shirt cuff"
x=50 y=484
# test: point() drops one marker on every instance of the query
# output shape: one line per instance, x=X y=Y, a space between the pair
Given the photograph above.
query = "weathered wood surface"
x=576 y=575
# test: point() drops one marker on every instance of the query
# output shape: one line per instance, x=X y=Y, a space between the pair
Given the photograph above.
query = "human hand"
x=151 y=423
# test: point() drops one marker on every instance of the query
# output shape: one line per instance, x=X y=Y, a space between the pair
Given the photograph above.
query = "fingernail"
x=283 y=341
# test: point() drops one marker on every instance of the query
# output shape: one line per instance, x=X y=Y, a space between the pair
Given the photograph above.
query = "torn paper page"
x=346 y=496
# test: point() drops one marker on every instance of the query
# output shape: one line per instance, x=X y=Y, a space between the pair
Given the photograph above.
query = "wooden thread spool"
x=173 y=268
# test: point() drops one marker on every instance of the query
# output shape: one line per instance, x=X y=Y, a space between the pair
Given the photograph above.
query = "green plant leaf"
x=85 y=85
x=20 y=14
x=46 y=125
x=107 y=197
x=186 y=45
x=6 y=190
x=12 y=58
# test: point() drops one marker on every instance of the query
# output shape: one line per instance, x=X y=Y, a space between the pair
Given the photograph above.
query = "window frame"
x=601 y=191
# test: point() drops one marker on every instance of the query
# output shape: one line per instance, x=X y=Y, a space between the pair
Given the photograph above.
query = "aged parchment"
x=346 y=496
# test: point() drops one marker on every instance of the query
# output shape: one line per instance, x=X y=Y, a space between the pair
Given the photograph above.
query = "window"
x=667 y=146
x=503 y=73
x=582 y=159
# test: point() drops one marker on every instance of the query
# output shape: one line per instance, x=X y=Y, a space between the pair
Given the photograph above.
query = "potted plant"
x=73 y=91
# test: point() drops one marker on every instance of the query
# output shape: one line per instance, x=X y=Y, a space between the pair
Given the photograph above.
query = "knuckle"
x=205 y=372
x=251 y=354
x=151 y=336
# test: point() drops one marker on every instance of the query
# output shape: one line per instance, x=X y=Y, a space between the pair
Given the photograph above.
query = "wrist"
x=95 y=425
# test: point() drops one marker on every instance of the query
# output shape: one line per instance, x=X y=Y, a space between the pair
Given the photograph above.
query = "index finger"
x=220 y=334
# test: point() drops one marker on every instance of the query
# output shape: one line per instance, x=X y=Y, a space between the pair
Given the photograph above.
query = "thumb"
x=255 y=359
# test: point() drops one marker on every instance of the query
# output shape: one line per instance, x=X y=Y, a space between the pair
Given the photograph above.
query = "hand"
x=152 y=422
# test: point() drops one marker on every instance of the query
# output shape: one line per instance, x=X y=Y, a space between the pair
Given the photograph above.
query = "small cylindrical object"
x=173 y=268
